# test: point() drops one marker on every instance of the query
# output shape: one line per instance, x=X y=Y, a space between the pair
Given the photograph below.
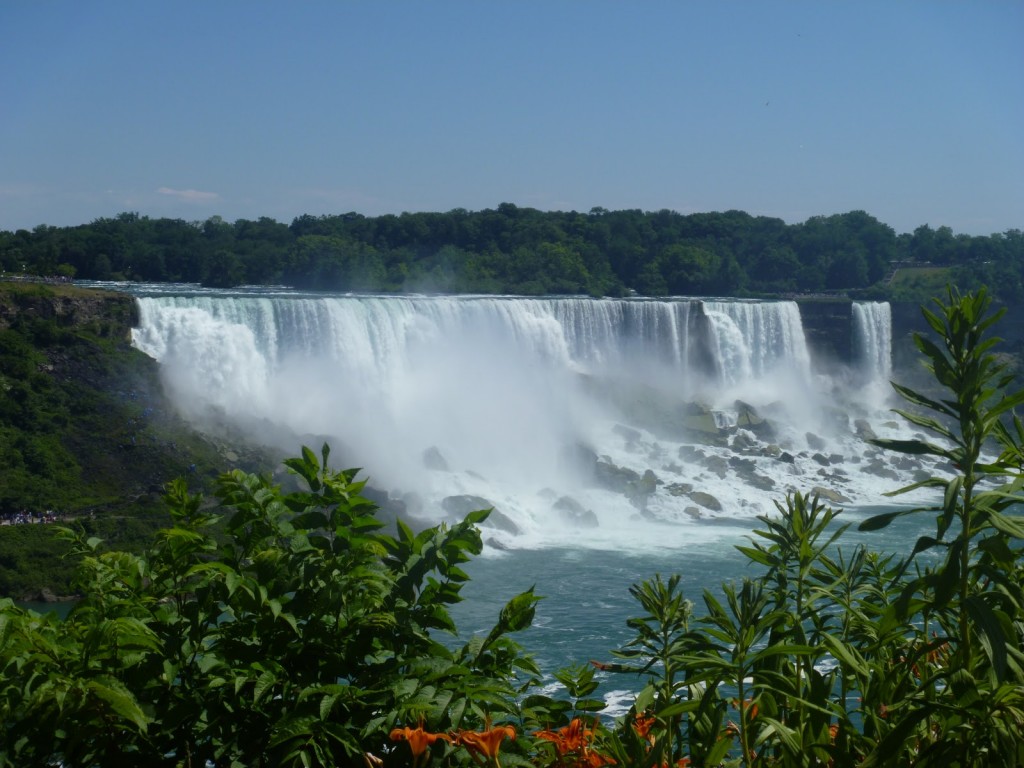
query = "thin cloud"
x=189 y=195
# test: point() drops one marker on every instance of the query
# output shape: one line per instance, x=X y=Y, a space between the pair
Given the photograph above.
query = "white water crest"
x=595 y=422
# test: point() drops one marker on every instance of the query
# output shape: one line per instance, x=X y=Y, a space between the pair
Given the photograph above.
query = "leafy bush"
x=310 y=636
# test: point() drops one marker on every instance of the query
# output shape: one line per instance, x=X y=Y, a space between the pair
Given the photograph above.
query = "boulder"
x=821 y=459
x=462 y=505
x=717 y=465
x=743 y=441
x=863 y=430
x=762 y=482
x=572 y=512
x=830 y=495
x=614 y=478
x=691 y=454
x=706 y=500
x=814 y=442
x=679 y=489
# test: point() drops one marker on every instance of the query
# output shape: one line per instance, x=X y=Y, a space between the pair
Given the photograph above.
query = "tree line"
x=521 y=251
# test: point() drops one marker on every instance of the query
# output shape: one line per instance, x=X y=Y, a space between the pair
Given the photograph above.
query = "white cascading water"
x=872 y=339
x=497 y=390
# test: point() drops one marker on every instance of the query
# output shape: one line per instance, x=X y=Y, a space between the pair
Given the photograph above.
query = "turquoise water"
x=586 y=591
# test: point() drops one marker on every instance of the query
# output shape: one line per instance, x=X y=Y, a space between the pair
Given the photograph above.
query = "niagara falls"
x=601 y=422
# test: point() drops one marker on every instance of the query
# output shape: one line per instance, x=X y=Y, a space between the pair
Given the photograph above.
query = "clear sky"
x=912 y=111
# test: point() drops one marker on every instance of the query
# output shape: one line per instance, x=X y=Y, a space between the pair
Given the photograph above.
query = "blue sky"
x=912 y=111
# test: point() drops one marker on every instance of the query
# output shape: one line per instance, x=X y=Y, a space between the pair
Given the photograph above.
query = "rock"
x=502 y=522
x=679 y=489
x=46 y=595
x=877 y=467
x=693 y=512
x=742 y=441
x=388 y=509
x=691 y=454
x=706 y=500
x=821 y=459
x=572 y=512
x=717 y=465
x=771 y=450
x=814 y=442
x=905 y=463
x=835 y=458
x=698 y=418
x=762 y=482
x=741 y=465
x=433 y=460
x=648 y=483
x=787 y=458
x=863 y=430
x=830 y=495
x=746 y=414
x=614 y=478
x=460 y=506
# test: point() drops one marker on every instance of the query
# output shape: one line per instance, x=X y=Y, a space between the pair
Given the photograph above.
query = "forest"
x=525 y=251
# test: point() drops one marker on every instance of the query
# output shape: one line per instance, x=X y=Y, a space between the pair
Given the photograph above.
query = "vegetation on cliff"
x=310 y=636
x=85 y=431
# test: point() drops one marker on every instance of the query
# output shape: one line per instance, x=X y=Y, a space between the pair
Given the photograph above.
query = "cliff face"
x=104 y=314
x=828 y=330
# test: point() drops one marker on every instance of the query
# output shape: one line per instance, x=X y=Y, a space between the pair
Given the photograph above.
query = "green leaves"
x=299 y=634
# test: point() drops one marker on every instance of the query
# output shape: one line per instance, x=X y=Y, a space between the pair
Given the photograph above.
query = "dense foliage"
x=85 y=432
x=523 y=251
x=311 y=636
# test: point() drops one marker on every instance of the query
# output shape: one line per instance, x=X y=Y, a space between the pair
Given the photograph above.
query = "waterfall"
x=521 y=401
x=872 y=340
x=753 y=339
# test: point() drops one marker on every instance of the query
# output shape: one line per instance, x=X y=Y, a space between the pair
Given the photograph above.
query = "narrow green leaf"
x=990 y=632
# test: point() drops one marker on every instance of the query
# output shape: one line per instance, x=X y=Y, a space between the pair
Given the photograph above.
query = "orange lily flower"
x=572 y=741
x=419 y=740
x=642 y=724
x=486 y=742
x=570 y=738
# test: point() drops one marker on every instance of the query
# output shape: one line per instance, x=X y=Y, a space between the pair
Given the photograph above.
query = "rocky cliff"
x=104 y=314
